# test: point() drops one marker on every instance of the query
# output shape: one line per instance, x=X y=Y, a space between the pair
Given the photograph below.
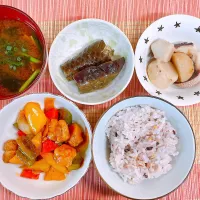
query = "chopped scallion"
x=32 y=59
x=23 y=49
x=36 y=41
x=30 y=80
x=19 y=59
x=9 y=48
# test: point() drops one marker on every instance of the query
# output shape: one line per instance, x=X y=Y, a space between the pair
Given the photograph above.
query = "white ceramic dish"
x=71 y=40
x=154 y=188
x=9 y=173
x=173 y=28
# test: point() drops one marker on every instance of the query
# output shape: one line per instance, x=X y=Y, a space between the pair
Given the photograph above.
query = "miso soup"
x=21 y=56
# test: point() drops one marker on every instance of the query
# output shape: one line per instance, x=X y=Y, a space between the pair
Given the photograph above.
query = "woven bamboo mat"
x=132 y=17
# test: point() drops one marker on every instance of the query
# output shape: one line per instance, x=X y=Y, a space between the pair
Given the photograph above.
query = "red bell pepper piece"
x=52 y=113
x=28 y=173
x=48 y=146
x=21 y=133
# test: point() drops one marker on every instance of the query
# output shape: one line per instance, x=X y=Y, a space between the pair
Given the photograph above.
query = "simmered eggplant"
x=97 y=77
x=94 y=54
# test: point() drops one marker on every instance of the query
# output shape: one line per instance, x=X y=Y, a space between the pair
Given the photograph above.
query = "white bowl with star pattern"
x=175 y=29
x=72 y=39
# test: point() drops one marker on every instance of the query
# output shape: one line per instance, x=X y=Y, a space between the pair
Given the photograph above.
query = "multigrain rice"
x=142 y=142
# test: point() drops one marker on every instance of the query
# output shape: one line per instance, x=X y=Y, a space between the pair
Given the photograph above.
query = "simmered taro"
x=93 y=55
x=97 y=77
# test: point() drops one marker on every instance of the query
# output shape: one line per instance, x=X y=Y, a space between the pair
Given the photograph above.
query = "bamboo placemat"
x=132 y=17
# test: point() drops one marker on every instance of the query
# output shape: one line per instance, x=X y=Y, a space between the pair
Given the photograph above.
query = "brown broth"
x=20 y=55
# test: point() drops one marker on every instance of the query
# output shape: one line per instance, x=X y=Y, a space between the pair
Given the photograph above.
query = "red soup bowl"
x=11 y=13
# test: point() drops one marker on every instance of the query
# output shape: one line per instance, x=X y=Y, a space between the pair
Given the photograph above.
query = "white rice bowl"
x=142 y=142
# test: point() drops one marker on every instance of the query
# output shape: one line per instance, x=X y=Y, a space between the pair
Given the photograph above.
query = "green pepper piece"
x=66 y=115
x=16 y=125
x=78 y=159
x=27 y=147
x=30 y=80
x=82 y=148
x=27 y=161
x=74 y=167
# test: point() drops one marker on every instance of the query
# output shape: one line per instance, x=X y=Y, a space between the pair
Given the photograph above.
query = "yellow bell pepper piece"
x=54 y=175
x=50 y=160
x=15 y=160
x=37 y=141
x=40 y=165
x=35 y=116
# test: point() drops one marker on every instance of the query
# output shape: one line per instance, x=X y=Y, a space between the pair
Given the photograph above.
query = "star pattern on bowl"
x=180 y=97
x=158 y=92
x=188 y=96
x=145 y=78
x=197 y=93
x=197 y=29
x=146 y=40
x=177 y=24
x=140 y=59
x=160 y=28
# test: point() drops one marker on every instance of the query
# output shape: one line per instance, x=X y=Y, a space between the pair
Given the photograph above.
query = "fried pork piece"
x=76 y=135
x=94 y=54
x=98 y=77
x=64 y=155
x=7 y=155
x=10 y=145
x=58 y=131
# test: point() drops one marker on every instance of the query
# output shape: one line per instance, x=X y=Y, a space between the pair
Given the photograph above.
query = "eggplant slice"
x=95 y=54
x=98 y=77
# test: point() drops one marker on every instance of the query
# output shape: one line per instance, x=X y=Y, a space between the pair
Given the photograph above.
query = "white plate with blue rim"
x=72 y=39
x=151 y=188
x=175 y=29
